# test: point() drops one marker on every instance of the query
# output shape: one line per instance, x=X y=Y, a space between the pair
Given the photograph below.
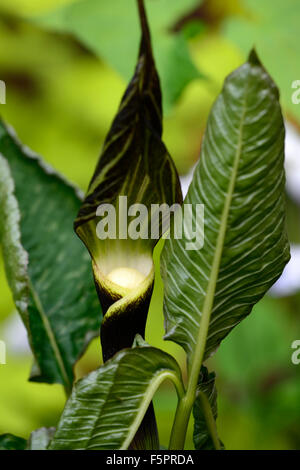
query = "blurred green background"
x=65 y=65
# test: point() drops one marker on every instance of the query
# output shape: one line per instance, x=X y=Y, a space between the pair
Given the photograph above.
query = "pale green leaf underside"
x=40 y=439
x=16 y=258
x=240 y=180
x=55 y=293
x=107 y=407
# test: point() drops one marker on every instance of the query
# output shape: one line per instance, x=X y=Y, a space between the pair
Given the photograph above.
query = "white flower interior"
x=126 y=277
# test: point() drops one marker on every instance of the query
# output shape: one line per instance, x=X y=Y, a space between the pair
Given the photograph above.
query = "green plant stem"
x=180 y=424
x=182 y=418
x=210 y=420
x=185 y=406
x=184 y=409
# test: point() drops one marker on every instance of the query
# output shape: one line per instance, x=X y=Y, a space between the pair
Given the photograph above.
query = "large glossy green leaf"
x=107 y=407
x=205 y=412
x=271 y=26
x=62 y=312
x=11 y=442
x=240 y=180
x=111 y=31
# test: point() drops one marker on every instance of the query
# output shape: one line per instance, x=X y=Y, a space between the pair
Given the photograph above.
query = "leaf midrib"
x=151 y=389
x=151 y=386
x=51 y=335
x=199 y=350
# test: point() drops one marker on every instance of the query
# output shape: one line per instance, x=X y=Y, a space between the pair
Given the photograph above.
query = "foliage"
x=241 y=166
x=95 y=404
x=37 y=231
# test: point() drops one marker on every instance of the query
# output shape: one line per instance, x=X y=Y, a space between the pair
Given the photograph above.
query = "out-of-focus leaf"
x=24 y=405
x=40 y=439
x=63 y=313
x=110 y=31
x=107 y=407
x=193 y=28
x=11 y=442
x=268 y=333
x=206 y=391
x=273 y=27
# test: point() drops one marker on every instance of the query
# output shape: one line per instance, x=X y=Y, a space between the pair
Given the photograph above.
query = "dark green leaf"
x=240 y=180
x=62 y=313
x=107 y=407
x=206 y=394
x=111 y=32
x=11 y=442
